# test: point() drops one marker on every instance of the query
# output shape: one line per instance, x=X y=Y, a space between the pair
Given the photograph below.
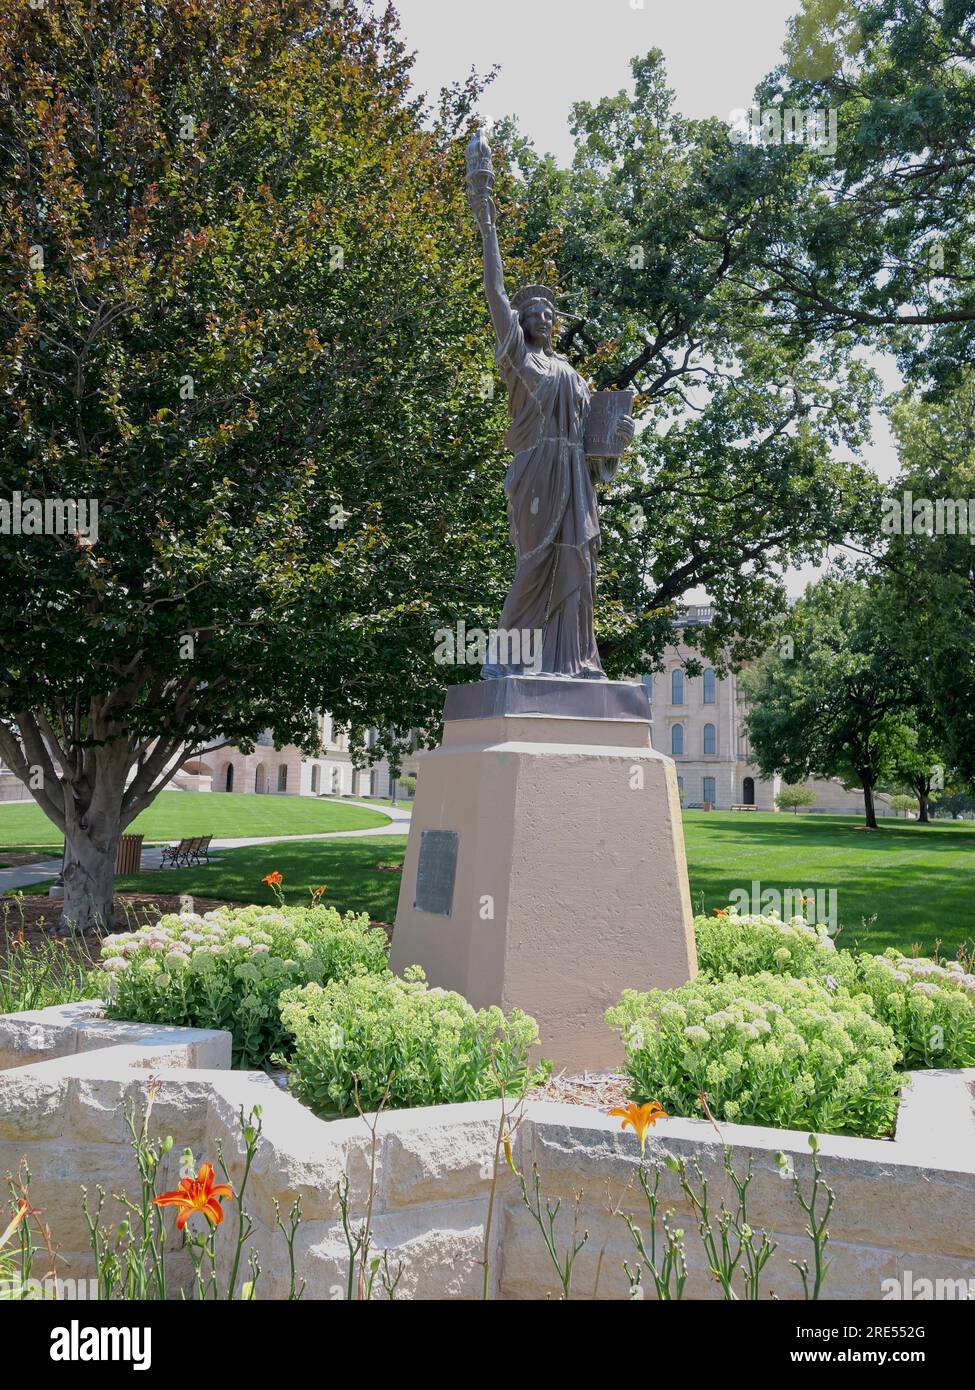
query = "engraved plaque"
x=435 y=872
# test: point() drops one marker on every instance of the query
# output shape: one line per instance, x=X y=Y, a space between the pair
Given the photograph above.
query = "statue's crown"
x=528 y=293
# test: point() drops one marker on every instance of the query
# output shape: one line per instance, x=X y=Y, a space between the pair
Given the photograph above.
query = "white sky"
x=552 y=53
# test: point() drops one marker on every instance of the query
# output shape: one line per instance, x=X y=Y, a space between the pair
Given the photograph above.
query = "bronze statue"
x=552 y=513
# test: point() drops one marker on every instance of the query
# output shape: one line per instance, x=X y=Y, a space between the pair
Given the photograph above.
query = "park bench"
x=745 y=806
x=190 y=851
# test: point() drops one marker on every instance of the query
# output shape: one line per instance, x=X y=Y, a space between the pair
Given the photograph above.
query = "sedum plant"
x=360 y=1040
x=733 y=944
x=767 y=1050
x=929 y=1007
x=228 y=969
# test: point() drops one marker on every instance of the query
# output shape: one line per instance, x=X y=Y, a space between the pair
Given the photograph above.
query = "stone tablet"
x=435 y=872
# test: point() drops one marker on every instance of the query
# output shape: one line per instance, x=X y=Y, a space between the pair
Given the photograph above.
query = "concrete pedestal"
x=545 y=868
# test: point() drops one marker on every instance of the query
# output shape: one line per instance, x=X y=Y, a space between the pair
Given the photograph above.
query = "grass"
x=178 y=815
x=348 y=868
x=914 y=879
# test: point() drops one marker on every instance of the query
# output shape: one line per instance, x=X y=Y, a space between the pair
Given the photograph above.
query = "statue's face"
x=537 y=322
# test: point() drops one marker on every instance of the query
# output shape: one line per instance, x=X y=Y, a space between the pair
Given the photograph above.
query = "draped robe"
x=552 y=516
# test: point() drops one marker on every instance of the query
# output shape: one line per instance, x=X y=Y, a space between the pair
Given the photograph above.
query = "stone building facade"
x=700 y=722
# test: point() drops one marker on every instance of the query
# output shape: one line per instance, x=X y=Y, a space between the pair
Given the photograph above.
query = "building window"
x=228 y=785
x=314 y=780
x=677 y=687
x=710 y=739
x=677 y=739
x=260 y=779
x=282 y=779
x=680 y=784
x=709 y=789
x=748 y=791
x=710 y=686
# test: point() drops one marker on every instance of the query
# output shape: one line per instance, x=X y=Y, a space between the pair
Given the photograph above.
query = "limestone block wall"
x=902 y=1207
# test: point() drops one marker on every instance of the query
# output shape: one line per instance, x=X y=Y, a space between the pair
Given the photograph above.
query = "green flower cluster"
x=429 y=1046
x=228 y=968
x=734 y=944
x=929 y=1007
x=767 y=1049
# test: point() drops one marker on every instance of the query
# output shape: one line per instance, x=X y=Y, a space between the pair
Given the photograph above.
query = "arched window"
x=260 y=779
x=710 y=739
x=282 y=778
x=677 y=739
x=677 y=687
x=709 y=687
x=748 y=791
x=229 y=780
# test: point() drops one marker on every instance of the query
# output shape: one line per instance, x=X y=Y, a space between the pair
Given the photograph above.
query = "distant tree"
x=906 y=804
x=791 y=798
x=836 y=706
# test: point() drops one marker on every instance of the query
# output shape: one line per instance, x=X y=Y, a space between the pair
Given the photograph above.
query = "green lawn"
x=915 y=879
x=346 y=867
x=175 y=815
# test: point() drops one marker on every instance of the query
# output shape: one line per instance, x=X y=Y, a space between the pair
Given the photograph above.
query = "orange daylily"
x=720 y=912
x=197 y=1194
x=273 y=879
x=641 y=1117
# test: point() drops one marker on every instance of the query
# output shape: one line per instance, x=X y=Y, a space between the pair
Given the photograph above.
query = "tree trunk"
x=923 y=801
x=869 y=808
x=93 y=825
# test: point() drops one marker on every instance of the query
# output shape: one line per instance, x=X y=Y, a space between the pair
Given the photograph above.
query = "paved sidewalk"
x=27 y=874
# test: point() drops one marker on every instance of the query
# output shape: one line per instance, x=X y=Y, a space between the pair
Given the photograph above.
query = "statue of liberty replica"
x=557 y=458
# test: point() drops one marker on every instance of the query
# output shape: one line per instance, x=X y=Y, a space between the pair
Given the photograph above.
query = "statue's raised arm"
x=480 y=183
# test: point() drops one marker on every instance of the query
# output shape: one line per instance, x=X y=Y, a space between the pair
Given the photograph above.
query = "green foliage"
x=36 y=974
x=833 y=703
x=767 y=1050
x=730 y=944
x=904 y=803
x=791 y=798
x=239 y=308
x=227 y=970
x=929 y=1007
x=428 y=1046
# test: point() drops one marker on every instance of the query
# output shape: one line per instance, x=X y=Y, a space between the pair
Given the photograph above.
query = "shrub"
x=228 y=969
x=435 y=1046
x=929 y=1007
x=767 y=1050
x=729 y=944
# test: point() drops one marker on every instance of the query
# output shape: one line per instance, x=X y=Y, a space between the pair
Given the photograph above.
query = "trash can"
x=708 y=806
x=128 y=857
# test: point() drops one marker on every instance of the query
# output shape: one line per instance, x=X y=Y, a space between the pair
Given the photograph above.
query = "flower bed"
x=228 y=969
x=781 y=1027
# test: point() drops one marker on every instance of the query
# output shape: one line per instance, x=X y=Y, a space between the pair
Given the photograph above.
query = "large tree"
x=926 y=557
x=879 y=240
x=237 y=297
